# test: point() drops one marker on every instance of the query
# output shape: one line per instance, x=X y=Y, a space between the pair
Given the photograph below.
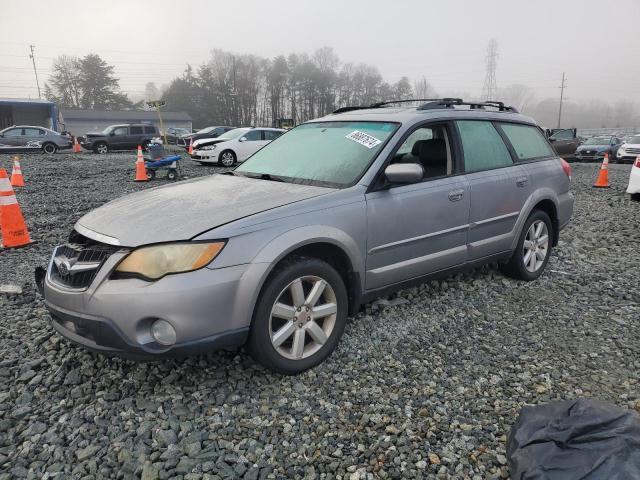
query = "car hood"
x=94 y=134
x=201 y=142
x=630 y=145
x=184 y=210
x=597 y=148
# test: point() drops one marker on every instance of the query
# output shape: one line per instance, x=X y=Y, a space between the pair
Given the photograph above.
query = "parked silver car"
x=334 y=213
x=29 y=137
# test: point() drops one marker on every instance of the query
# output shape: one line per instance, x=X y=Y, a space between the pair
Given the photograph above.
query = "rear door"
x=32 y=134
x=135 y=137
x=418 y=229
x=499 y=188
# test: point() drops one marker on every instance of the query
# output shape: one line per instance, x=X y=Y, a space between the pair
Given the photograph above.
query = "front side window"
x=254 y=135
x=150 y=130
x=334 y=153
x=136 y=130
x=119 y=131
x=527 y=141
x=563 y=135
x=428 y=147
x=482 y=145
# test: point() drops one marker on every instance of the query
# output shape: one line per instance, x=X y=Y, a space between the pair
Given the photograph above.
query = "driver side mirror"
x=404 y=173
x=243 y=139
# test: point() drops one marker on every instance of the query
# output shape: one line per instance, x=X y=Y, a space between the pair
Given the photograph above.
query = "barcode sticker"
x=364 y=139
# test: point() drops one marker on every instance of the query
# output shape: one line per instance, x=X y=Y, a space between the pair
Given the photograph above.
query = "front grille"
x=82 y=251
x=633 y=151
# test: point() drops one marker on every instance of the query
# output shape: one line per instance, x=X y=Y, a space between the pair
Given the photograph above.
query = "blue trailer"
x=37 y=112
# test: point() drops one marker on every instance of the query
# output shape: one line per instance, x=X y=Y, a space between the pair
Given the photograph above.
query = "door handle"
x=522 y=181
x=456 y=195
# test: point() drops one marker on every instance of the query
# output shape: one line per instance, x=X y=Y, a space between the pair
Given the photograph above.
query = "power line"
x=562 y=87
x=33 y=59
x=490 y=88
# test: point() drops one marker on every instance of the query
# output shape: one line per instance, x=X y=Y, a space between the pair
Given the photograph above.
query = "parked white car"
x=234 y=146
x=630 y=149
x=634 y=179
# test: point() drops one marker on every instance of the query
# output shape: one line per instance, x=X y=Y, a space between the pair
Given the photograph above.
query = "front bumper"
x=207 y=308
x=589 y=156
x=205 y=156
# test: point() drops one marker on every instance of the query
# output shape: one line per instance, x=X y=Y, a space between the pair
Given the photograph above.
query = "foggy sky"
x=445 y=41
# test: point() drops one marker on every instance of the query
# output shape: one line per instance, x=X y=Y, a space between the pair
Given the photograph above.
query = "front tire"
x=533 y=249
x=300 y=316
x=49 y=148
x=101 y=148
x=227 y=158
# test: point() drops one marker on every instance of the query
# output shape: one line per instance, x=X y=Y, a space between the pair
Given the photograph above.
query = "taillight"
x=637 y=162
x=566 y=167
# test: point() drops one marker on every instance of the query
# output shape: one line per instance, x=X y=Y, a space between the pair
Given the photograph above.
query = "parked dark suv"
x=119 y=137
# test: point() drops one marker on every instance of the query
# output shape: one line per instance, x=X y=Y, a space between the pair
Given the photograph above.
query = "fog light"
x=163 y=332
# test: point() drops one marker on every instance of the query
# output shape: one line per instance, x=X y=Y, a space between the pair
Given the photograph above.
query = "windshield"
x=597 y=141
x=634 y=140
x=235 y=133
x=207 y=130
x=107 y=130
x=335 y=153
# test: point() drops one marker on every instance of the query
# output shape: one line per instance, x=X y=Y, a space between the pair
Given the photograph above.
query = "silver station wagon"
x=276 y=254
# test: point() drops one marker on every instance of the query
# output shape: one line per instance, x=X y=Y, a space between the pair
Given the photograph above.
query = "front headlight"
x=159 y=260
x=209 y=147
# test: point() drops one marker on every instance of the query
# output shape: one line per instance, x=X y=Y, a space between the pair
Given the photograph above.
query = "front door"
x=12 y=136
x=253 y=142
x=119 y=138
x=417 y=229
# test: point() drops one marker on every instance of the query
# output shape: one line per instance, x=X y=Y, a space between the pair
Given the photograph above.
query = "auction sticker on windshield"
x=364 y=139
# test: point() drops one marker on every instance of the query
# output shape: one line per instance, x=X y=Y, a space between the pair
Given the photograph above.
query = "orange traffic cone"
x=14 y=230
x=190 y=150
x=17 y=180
x=76 y=145
x=603 y=176
x=141 y=171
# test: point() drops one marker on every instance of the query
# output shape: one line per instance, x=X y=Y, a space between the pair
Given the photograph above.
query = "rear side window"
x=271 y=134
x=527 y=141
x=136 y=130
x=483 y=146
x=151 y=130
x=563 y=135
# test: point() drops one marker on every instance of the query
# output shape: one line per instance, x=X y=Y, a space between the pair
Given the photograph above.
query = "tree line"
x=246 y=89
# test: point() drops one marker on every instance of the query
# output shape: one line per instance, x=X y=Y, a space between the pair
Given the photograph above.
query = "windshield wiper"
x=266 y=176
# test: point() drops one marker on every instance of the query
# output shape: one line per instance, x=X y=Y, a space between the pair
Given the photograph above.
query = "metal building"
x=79 y=122
x=16 y=111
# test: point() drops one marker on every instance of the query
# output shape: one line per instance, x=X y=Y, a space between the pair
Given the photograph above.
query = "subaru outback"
x=338 y=211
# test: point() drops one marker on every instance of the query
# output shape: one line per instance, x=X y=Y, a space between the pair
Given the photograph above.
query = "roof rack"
x=452 y=102
x=436 y=104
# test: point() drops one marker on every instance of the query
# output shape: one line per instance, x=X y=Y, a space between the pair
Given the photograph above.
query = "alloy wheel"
x=303 y=317
x=227 y=159
x=102 y=148
x=536 y=246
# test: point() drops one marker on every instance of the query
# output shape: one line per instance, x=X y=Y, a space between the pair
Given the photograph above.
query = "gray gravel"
x=425 y=384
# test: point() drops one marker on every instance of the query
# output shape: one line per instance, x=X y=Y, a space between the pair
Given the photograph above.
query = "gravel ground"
x=424 y=384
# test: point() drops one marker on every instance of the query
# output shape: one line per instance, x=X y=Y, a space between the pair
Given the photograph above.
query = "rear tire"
x=49 y=148
x=635 y=197
x=172 y=174
x=294 y=328
x=151 y=174
x=533 y=249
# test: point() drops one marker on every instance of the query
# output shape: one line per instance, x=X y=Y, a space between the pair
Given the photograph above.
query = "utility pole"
x=490 y=88
x=562 y=87
x=33 y=59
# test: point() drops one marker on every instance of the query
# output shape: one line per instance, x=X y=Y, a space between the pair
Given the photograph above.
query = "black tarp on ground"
x=577 y=439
